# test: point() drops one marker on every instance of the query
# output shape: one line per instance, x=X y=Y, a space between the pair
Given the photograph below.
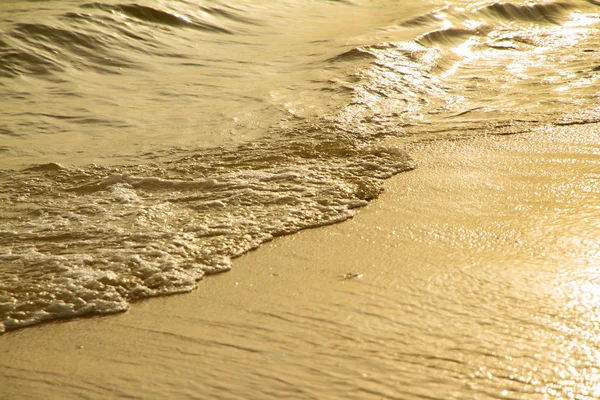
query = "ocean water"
x=145 y=145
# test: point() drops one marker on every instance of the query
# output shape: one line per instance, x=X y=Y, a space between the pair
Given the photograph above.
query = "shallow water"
x=473 y=276
x=145 y=146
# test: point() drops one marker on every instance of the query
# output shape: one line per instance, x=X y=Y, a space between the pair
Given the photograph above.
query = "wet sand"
x=419 y=295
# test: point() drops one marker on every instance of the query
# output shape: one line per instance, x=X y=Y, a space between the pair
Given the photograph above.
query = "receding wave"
x=91 y=240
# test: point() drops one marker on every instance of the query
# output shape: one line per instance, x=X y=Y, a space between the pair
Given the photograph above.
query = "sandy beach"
x=473 y=276
x=350 y=199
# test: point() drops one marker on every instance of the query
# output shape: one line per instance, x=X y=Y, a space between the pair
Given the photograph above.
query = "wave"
x=353 y=55
x=17 y=61
x=93 y=239
x=451 y=36
x=100 y=37
x=8 y=132
x=157 y=16
x=550 y=12
x=500 y=13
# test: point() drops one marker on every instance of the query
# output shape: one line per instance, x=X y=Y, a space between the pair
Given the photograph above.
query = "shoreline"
x=360 y=309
